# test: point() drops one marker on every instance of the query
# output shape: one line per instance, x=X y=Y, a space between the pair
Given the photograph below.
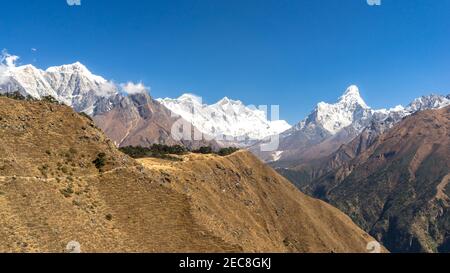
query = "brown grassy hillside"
x=51 y=193
x=397 y=189
x=246 y=203
x=61 y=180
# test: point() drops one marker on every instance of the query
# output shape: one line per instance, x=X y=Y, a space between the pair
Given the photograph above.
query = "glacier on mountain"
x=351 y=110
x=337 y=123
x=227 y=118
x=75 y=86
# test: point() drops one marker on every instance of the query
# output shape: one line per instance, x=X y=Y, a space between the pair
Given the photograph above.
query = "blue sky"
x=291 y=53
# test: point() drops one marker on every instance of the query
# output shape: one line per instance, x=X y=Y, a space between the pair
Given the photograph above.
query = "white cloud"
x=191 y=96
x=134 y=88
x=6 y=61
x=11 y=60
x=107 y=89
x=33 y=49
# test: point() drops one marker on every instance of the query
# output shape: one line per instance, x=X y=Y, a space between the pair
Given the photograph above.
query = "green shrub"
x=100 y=161
x=156 y=150
x=50 y=99
x=16 y=95
x=30 y=98
x=83 y=114
x=204 y=150
x=64 y=169
x=67 y=192
x=165 y=151
x=227 y=151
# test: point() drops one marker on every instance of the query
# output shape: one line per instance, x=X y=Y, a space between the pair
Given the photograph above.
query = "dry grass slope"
x=246 y=203
x=51 y=193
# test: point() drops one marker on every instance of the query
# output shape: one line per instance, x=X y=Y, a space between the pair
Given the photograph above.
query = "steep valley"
x=395 y=186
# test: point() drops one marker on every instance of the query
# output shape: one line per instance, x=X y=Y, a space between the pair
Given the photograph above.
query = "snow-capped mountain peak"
x=26 y=79
x=349 y=109
x=352 y=97
x=432 y=101
x=71 y=84
x=188 y=98
x=232 y=106
x=224 y=101
x=225 y=118
x=331 y=125
x=75 y=68
x=78 y=87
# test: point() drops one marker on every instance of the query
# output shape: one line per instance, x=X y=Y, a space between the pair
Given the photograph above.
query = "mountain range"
x=73 y=85
x=131 y=117
x=394 y=184
x=386 y=168
x=63 y=180
x=228 y=120
x=329 y=126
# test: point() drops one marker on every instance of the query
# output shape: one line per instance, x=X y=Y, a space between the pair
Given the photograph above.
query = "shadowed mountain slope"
x=397 y=187
x=138 y=120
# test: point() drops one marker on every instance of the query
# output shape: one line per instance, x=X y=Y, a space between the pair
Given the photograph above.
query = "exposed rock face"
x=395 y=184
x=304 y=172
x=72 y=84
x=138 y=120
x=322 y=132
x=134 y=119
x=63 y=180
x=333 y=134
